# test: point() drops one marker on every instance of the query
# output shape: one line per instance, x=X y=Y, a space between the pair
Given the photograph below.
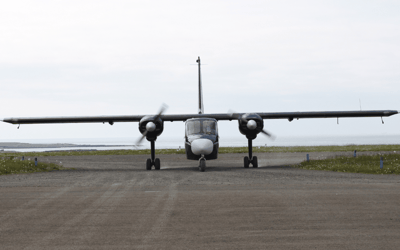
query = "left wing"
x=183 y=117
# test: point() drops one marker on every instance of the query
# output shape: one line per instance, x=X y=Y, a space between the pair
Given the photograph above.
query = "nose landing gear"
x=202 y=163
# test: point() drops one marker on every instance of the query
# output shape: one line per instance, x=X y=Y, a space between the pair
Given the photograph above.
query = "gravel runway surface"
x=112 y=202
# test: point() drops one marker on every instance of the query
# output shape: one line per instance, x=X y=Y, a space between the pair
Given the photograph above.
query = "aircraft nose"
x=202 y=147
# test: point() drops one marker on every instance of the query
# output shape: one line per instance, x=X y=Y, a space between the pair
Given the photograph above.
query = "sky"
x=90 y=58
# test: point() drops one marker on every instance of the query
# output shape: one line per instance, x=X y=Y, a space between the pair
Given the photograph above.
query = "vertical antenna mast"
x=201 y=107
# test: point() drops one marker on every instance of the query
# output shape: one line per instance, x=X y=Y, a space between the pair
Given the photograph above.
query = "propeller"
x=151 y=126
x=251 y=124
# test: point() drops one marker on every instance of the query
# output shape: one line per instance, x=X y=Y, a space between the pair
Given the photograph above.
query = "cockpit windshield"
x=202 y=126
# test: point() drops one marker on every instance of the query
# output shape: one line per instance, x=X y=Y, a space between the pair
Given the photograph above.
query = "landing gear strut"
x=153 y=161
x=250 y=159
x=202 y=163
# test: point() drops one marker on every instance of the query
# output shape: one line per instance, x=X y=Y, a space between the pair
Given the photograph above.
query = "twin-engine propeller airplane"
x=201 y=130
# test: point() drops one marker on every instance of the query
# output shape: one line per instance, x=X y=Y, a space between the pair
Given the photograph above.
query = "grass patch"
x=12 y=165
x=360 y=164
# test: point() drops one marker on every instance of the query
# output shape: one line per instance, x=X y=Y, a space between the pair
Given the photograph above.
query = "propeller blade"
x=271 y=136
x=138 y=142
x=162 y=110
x=232 y=114
x=235 y=115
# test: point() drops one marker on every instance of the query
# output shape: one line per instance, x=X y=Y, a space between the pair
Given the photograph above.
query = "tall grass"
x=12 y=165
x=360 y=164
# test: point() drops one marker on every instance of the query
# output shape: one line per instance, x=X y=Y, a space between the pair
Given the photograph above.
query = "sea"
x=167 y=142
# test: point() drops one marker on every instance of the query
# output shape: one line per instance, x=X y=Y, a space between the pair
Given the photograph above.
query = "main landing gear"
x=153 y=161
x=250 y=159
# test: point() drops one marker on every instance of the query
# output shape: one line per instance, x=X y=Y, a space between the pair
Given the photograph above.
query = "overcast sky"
x=88 y=58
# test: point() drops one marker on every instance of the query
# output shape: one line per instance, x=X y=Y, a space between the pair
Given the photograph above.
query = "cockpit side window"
x=209 y=127
x=193 y=127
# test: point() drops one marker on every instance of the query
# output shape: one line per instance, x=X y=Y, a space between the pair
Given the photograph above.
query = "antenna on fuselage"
x=201 y=107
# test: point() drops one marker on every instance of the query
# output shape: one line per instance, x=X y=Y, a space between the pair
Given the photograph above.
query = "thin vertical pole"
x=250 y=149
x=201 y=109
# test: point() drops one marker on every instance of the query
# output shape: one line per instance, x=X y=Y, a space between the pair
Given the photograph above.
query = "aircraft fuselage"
x=201 y=138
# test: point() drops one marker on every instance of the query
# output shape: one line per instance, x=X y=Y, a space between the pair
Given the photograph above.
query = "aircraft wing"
x=328 y=114
x=183 y=117
x=73 y=119
x=287 y=115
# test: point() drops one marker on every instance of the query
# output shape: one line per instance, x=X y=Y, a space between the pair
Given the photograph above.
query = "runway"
x=112 y=202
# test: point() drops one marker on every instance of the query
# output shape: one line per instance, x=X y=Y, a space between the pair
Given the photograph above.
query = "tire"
x=157 y=164
x=246 y=162
x=202 y=165
x=148 y=164
x=255 y=162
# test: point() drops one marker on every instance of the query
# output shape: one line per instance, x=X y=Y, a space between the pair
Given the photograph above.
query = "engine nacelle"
x=250 y=125
x=151 y=127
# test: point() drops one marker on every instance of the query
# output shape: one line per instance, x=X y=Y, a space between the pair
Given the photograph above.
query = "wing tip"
x=9 y=120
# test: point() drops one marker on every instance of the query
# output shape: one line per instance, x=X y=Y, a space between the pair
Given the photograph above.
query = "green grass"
x=222 y=150
x=359 y=164
x=12 y=165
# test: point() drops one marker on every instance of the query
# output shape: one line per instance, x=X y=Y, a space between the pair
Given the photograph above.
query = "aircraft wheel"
x=157 y=164
x=246 y=162
x=148 y=164
x=202 y=165
x=255 y=162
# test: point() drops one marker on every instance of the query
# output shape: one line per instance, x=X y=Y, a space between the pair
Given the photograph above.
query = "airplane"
x=201 y=129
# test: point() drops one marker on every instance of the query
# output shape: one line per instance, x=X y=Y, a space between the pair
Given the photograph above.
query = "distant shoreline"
x=19 y=145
